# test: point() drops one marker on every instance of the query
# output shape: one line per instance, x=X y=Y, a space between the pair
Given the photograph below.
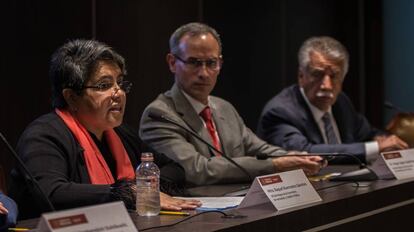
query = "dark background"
x=260 y=42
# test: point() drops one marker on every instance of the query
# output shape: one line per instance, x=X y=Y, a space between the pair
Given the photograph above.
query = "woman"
x=79 y=153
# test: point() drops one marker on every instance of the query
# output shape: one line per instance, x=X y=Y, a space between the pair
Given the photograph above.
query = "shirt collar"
x=198 y=106
x=316 y=112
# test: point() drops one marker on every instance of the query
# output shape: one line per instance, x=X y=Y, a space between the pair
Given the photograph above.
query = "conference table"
x=381 y=205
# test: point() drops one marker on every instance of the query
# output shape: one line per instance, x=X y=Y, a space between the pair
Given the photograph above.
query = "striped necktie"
x=329 y=131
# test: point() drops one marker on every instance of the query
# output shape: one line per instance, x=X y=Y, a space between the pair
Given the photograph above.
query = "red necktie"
x=206 y=115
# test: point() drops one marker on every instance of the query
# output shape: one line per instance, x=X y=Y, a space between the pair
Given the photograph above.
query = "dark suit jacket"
x=238 y=142
x=55 y=158
x=8 y=220
x=287 y=121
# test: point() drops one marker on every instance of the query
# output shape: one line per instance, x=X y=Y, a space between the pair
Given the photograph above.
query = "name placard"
x=284 y=190
x=111 y=217
x=400 y=163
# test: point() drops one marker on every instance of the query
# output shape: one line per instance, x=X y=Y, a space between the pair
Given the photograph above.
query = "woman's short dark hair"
x=73 y=64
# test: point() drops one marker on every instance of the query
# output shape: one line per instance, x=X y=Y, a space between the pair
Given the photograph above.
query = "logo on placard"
x=393 y=155
x=57 y=223
x=270 y=180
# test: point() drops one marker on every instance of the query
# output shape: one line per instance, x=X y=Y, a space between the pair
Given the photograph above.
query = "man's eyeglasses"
x=195 y=63
x=104 y=86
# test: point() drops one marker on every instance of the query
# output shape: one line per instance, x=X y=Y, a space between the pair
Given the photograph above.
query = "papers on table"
x=283 y=190
x=217 y=203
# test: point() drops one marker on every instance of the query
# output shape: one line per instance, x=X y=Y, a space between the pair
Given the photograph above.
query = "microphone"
x=391 y=106
x=362 y=174
x=166 y=119
x=327 y=156
x=33 y=184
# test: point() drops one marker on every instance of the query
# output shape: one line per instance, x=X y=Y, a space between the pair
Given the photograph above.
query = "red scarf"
x=98 y=170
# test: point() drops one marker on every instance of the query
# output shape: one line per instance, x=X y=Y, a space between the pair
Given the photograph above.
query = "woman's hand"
x=3 y=209
x=170 y=203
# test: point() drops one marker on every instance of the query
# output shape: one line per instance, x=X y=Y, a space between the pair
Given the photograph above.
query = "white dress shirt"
x=371 y=148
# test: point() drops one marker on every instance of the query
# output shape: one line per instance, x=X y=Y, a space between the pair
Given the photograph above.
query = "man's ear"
x=71 y=98
x=171 y=62
x=301 y=76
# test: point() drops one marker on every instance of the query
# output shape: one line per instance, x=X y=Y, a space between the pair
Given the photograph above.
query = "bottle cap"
x=147 y=156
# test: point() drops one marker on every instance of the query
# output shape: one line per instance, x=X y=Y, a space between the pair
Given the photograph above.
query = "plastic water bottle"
x=148 y=186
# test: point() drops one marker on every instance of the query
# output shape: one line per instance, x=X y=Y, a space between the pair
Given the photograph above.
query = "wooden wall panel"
x=261 y=42
x=31 y=31
x=139 y=31
x=260 y=38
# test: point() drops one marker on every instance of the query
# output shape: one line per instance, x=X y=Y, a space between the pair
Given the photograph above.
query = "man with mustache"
x=315 y=115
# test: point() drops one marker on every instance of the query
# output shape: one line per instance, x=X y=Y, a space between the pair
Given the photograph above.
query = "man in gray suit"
x=195 y=59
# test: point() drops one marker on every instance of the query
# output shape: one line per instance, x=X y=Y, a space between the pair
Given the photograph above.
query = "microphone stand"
x=166 y=119
x=364 y=172
x=391 y=106
x=326 y=156
x=34 y=185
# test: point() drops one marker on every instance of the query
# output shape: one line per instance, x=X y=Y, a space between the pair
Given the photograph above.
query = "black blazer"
x=55 y=158
x=287 y=121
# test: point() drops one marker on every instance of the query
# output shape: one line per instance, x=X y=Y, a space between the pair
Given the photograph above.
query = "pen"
x=174 y=213
x=18 y=229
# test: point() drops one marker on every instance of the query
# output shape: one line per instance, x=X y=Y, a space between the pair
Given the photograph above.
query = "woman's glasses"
x=106 y=85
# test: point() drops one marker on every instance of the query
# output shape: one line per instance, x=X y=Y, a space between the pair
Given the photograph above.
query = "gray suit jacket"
x=238 y=142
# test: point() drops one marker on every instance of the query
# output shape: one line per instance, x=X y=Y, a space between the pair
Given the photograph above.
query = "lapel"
x=220 y=122
x=309 y=124
x=190 y=117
